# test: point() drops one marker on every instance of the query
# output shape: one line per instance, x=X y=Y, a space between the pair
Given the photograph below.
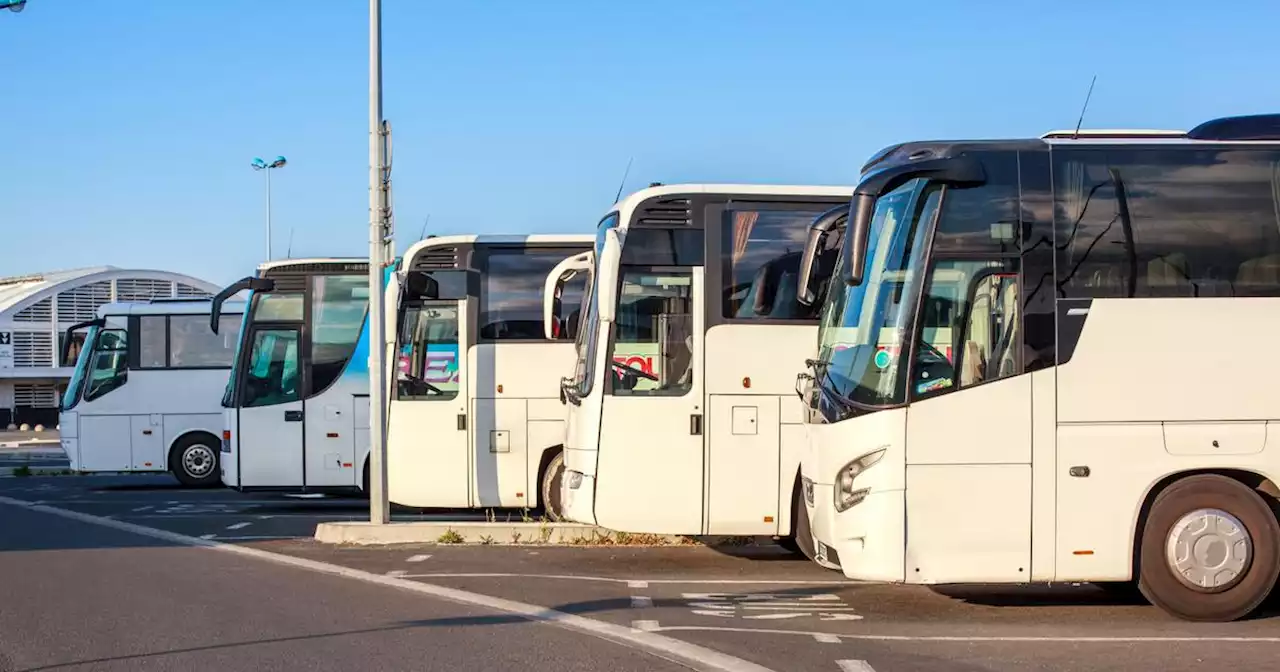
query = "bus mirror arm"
x=821 y=227
x=66 y=342
x=251 y=283
x=959 y=171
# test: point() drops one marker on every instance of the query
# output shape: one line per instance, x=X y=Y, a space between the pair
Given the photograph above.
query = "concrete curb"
x=431 y=532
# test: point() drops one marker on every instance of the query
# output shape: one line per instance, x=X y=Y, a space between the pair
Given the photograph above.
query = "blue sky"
x=131 y=130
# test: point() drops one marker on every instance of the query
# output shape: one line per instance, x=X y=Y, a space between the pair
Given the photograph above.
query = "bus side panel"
x=105 y=443
x=742 y=469
x=148 y=442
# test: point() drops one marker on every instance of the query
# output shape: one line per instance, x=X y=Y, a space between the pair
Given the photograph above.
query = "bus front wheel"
x=194 y=460
x=1210 y=550
x=549 y=488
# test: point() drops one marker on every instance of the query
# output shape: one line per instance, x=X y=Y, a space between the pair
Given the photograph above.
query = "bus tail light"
x=845 y=496
x=226 y=440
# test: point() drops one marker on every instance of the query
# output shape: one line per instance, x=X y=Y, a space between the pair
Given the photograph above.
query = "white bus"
x=475 y=417
x=296 y=406
x=682 y=411
x=1088 y=413
x=144 y=394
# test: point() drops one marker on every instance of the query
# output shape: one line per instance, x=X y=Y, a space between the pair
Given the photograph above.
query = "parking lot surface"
x=756 y=602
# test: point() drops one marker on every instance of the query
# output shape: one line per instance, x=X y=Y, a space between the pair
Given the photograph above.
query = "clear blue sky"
x=130 y=130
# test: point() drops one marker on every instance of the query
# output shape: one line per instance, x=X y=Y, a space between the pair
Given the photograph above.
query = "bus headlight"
x=573 y=479
x=845 y=495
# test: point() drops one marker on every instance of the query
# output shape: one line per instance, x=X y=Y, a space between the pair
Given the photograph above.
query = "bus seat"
x=1168 y=276
x=1261 y=271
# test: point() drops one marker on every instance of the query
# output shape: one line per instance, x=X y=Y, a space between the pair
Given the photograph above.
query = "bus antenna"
x=423 y=235
x=622 y=184
x=288 y=253
x=1087 y=96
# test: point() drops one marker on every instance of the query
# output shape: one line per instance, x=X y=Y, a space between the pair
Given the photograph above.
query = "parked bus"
x=682 y=410
x=144 y=394
x=475 y=419
x=1094 y=417
x=296 y=406
x=466 y=315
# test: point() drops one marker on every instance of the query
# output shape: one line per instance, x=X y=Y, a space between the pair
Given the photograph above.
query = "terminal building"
x=35 y=312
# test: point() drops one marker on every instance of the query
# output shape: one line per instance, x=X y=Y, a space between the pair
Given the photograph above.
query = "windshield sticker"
x=933 y=385
x=883 y=359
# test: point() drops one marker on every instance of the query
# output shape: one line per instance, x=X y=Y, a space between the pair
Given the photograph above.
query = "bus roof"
x=628 y=204
x=169 y=307
x=284 y=263
x=496 y=239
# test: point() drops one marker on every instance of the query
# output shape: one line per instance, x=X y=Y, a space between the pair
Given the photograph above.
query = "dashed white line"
x=238 y=526
x=826 y=638
x=141 y=508
x=207 y=536
x=855 y=666
x=631 y=583
x=397 y=573
x=645 y=626
x=637 y=584
x=417 y=558
x=641 y=602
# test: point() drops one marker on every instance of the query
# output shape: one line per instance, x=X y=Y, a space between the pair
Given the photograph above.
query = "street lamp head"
x=258 y=164
x=15 y=5
x=278 y=163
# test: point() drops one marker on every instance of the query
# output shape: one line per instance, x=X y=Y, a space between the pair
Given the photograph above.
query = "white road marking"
x=417 y=558
x=637 y=584
x=208 y=536
x=855 y=666
x=141 y=508
x=397 y=573
x=697 y=657
x=263 y=537
x=645 y=626
x=972 y=639
x=641 y=602
x=238 y=526
x=824 y=638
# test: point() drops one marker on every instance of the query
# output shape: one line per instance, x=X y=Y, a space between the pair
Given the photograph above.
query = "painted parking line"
x=691 y=655
x=641 y=602
x=418 y=558
x=855 y=666
x=238 y=526
x=631 y=583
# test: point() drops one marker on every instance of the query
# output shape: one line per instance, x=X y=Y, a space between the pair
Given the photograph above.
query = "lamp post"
x=13 y=5
x=267 y=167
x=379 y=503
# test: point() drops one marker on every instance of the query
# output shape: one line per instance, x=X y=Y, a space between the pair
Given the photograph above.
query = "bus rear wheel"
x=194 y=460
x=549 y=488
x=1210 y=550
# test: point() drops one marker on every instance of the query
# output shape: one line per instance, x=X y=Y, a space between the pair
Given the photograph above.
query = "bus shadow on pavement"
x=1067 y=595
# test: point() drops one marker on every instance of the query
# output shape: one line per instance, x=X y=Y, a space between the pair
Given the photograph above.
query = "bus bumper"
x=72 y=448
x=577 y=497
x=822 y=525
x=868 y=540
x=228 y=463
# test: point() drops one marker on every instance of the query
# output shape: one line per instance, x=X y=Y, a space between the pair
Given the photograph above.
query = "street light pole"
x=379 y=504
x=259 y=164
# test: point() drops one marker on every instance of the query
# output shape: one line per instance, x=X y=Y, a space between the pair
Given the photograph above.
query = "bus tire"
x=549 y=487
x=800 y=541
x=194 y=460
x=1237 y=558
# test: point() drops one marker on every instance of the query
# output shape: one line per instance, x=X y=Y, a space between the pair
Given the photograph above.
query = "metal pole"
x=379 y=504
x=268 y=172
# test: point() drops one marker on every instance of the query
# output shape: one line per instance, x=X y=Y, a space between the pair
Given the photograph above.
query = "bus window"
x=428 y=354
x=110 y=368
x=272 y=377
x=652 y=349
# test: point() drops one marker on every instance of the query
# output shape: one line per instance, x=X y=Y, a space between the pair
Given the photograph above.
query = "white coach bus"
x=1078 y=407
x=682 y=413
x=475 y=419
x=144 y=394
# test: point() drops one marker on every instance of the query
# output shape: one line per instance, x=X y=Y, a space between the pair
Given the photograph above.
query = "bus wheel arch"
x=194 y=459
x=800 y=538
x=550 y=474
x=1243 y=506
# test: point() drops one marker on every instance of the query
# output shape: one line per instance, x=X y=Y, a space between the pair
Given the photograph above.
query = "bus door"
x=429 y=462
x=270 y=417
x=650 y=471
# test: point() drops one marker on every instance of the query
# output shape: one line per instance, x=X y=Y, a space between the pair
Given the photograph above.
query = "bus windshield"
x=72 y=394
x=588 y=337
x=863 y=332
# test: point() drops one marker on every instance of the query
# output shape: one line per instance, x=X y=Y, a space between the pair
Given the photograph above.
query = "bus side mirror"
x=607 y=293
x=421 y=285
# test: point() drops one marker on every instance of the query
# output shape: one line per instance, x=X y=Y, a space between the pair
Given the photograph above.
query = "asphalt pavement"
x=755 y=603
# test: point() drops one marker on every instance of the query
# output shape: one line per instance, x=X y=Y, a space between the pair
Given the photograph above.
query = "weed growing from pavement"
x=450 y=537
x=487 y=540
x=24 y=470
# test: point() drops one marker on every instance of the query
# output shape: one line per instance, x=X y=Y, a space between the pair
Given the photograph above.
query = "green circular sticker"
x=882 y=359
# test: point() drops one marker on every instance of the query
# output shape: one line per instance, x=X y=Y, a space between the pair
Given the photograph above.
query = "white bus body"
x=1073 y=403
x=144 y=395
x=475 y=418
x=683 y=417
